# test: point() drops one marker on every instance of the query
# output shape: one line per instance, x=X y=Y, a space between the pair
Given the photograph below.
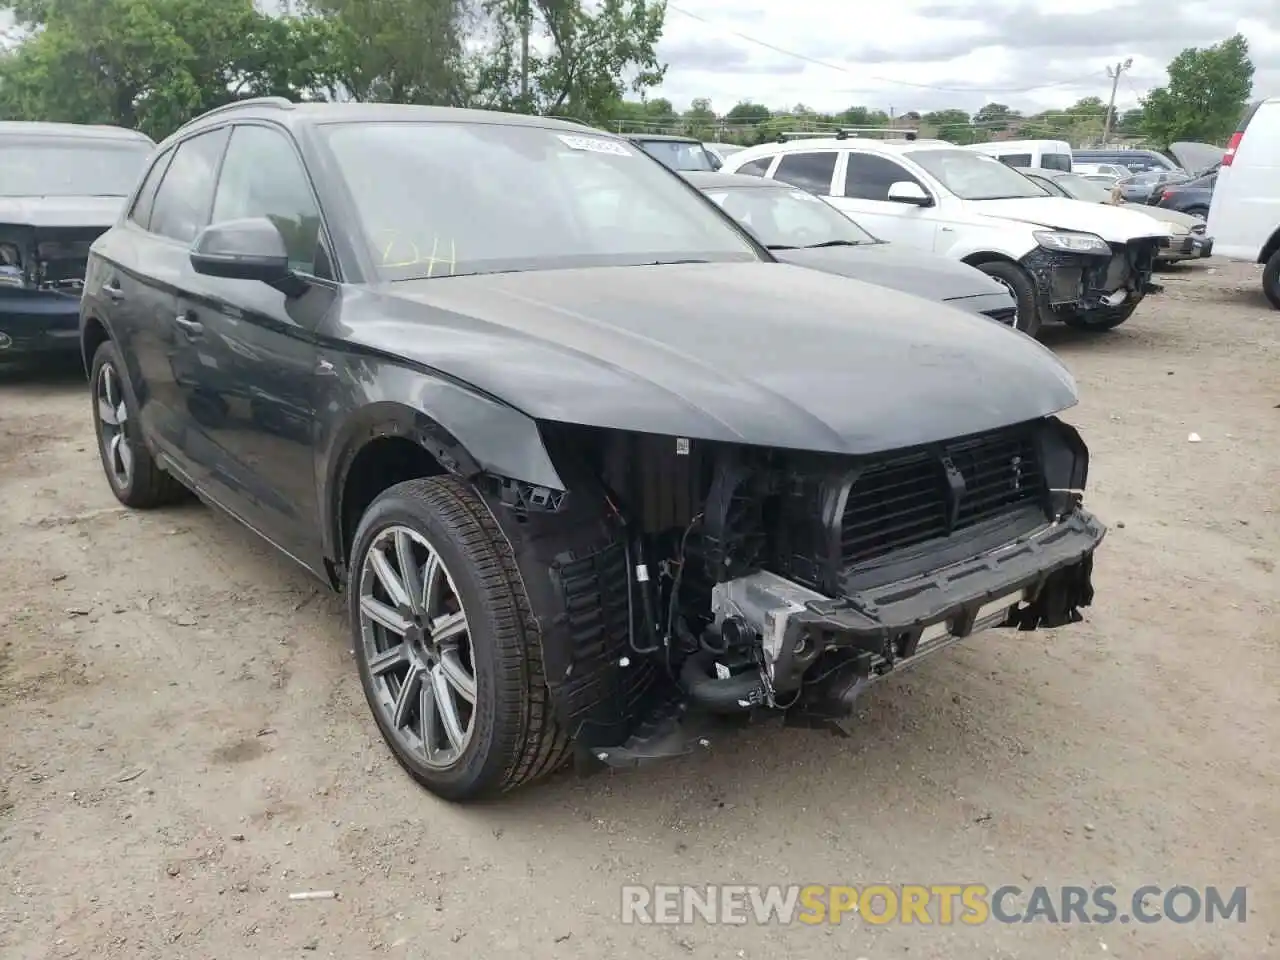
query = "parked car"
x=1140 y=187
x=1100 y=171
x=799 y=228
x=1244 y=213
x=1037 y=154
x=61 y=185
x=1084 y=264
x=722 y=150
x=586 y=474
x=678 y=153
x=1135 y=161
x=1186 y=241
x=1191 y=197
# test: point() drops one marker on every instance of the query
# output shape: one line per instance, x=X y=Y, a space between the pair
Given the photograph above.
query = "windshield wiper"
x=668 y=263
x=833 y=243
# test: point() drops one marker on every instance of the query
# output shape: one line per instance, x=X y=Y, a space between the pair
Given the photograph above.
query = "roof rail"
x=280 y=103
x=844 y=133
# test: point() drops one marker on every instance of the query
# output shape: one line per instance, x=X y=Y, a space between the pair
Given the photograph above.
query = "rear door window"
x=1016 y=159
x=1056 y=161
x=141 y=211
x=808 y=171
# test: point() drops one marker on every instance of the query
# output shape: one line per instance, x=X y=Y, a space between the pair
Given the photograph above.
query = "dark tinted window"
x=1056 y=161
x=182 y=204
x=869 y=177
x=1016 y=159
x=808 y=171
x=141 y=212
x=756 y=168
x=263 y=177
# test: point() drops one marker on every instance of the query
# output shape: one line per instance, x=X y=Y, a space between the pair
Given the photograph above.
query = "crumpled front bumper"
x=1041 y=579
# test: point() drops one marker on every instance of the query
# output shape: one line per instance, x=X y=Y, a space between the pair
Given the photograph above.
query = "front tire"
x=449 y=652
x=135 y=477
x=1100 y=321
x=1017 y=281
x=1271 y=280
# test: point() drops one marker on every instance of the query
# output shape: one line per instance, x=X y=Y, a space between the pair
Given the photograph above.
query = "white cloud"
x=931 y=54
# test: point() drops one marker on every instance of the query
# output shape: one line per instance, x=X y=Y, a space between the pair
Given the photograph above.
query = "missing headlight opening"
x=693 y=579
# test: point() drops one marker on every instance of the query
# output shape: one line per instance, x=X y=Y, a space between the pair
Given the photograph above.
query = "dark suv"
x=590 y=464
x=61 y=185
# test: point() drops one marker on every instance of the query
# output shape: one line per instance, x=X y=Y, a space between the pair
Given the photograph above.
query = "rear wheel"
x=1271 y=280
x=135 y=478
x=1016 y=280
x=448 y=650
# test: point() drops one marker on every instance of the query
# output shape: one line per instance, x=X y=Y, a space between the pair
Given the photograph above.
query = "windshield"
x=678 y=155
x=783 y=217
x=1080 y=188
x=70 y=167
x=975 y=176
x=447 y=199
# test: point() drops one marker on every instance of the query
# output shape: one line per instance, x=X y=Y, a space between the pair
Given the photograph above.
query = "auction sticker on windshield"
x=594 y=145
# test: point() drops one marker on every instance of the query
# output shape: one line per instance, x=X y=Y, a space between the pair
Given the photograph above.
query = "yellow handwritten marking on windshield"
x=417 y=258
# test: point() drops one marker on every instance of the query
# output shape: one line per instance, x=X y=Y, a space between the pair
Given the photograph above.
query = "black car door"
x=257 y=367
x=161 y=348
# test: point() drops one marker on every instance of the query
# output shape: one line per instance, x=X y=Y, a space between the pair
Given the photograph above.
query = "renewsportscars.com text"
x=929 y=904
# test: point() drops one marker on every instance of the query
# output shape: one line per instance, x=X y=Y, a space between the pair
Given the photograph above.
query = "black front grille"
x=909 y=500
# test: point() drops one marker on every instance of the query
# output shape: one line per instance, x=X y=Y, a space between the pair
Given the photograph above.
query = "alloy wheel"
x=113 y=416
x=417 y=646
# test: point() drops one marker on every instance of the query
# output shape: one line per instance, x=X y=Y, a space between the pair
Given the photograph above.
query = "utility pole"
x=1114 y=74
x=524 y=53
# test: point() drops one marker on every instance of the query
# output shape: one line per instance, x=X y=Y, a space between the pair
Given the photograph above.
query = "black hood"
x=761 y=353
x=888 y=265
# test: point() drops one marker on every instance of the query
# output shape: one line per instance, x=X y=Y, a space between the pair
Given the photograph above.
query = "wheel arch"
x=1271 y=247
x=94 y=332
x=979 y=257
x=386 y=441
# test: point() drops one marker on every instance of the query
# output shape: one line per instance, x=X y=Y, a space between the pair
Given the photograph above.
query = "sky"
x=924 y=55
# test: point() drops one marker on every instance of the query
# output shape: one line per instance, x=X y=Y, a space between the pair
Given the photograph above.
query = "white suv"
x=1086 y=264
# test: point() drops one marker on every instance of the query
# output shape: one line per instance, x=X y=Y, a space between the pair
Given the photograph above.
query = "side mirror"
x=905 y=191
x=249 y=249
x=716 y=162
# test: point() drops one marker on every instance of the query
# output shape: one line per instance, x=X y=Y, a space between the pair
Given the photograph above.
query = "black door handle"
x=112 y=289
x=192 y=328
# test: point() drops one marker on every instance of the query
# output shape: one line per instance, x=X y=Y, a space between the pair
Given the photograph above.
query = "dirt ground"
x=183 y=740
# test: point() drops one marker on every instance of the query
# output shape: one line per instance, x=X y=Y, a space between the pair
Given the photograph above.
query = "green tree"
x=995 y=117
x=1207 y=90
x=951 y=125
x=746 y=112
x=402 y=51
x=577 y=59
x=153 y=64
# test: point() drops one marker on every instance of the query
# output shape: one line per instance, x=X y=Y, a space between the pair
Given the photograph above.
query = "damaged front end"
x=41 y=279
x=680 y=580
x=1074 y=285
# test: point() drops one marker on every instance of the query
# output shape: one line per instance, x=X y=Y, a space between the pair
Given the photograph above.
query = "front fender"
x=467 y=433
x=1005 y=239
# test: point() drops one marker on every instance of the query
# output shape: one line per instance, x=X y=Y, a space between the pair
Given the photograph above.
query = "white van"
x=1244 y=214
x=1046 y=154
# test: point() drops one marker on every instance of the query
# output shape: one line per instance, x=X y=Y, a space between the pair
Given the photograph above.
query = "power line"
x=834 y=66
